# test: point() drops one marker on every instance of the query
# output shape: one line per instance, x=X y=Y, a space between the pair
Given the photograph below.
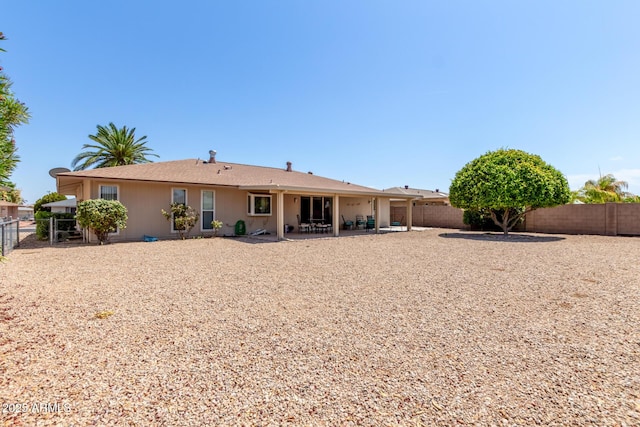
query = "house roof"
x=68 y=203
x=425 y=194
x=198 y=172
x=4 y=203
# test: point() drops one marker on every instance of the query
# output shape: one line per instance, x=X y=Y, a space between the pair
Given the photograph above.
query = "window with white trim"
x=259 y=204
x=108 y=192
x=178 y=195
x=208 y=209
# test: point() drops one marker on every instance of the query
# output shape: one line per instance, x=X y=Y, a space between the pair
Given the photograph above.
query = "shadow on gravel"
x=499 y=237
x=30 y=241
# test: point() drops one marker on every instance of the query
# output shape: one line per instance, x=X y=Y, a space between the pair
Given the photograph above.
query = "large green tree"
x=605 y=189
x=13 y=113
x=47 y=198
x=113 y=147
x=506 y=184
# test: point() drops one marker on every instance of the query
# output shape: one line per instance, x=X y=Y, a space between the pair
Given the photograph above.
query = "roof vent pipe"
x=406 y=187
x=289 y=167
x=212 y=156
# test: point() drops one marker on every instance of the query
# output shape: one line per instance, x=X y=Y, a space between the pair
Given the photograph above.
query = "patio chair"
x=347 y=225
x=321 y=228
x=303 y=226
x=360 y=222
x=370 y=224
x=397 y=223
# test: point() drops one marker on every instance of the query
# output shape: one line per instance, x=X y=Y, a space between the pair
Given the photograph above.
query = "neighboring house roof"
x=4 y=203
x=68 y=203
x=198 y=172
x=419 y=193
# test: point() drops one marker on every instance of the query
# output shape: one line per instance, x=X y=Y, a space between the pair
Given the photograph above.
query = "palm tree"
x=605 y=189
x=114 y=147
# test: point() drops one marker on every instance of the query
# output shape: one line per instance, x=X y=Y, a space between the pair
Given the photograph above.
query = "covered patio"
x=328 y=214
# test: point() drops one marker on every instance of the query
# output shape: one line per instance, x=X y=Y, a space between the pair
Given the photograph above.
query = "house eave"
x=275 y=188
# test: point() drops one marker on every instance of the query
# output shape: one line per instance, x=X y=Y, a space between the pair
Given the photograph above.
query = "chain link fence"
x=57 y=230
x=9 y=235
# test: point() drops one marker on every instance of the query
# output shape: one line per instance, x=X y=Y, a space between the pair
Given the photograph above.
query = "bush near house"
x=479 y=221
x=184 y=218
x=102 y=217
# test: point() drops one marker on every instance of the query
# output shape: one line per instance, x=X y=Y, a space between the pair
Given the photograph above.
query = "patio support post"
x=336 y=215
x=86 y=195
x=376 y=200
x=280 y=217
x=409 y=214
x=51 y=231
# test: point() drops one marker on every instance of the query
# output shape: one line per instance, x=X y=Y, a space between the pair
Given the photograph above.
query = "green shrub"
x=184 y=218
x=217 y=225
x=478 y=220
x=102 y=217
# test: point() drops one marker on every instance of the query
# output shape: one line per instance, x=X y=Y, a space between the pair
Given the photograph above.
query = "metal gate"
x=9 y=235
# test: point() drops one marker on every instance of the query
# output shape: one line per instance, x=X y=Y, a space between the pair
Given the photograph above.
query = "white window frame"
x=186 y=203
x=251 y=204
x=101 y=186
x=117 y=232
x=203 y=210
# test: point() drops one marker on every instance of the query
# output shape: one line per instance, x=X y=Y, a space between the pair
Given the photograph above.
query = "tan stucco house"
x=264 y=198
x=62 y=206
x=8 y=210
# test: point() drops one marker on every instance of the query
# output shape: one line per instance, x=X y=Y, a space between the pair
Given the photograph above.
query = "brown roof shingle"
x=195 y=171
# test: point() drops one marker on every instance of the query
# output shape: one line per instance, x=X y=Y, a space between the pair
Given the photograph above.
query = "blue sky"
x=378 y=93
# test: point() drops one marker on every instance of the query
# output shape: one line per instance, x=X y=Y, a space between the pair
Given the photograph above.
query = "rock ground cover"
x=421 y=328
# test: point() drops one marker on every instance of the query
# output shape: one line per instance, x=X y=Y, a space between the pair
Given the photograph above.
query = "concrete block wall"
x=610 y=219
x=567 y=219
x=430 y=216
x=440 y=216
x=628 y=219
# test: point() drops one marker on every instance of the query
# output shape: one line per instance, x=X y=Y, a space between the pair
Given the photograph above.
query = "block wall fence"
x=610 y=219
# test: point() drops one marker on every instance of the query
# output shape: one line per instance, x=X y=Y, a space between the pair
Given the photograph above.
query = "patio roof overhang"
x=281 y=190
x=316 y=190
x=68 y=185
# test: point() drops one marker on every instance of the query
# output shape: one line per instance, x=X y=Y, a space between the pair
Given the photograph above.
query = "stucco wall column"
x=336 y=215
x=280 y=216
x=376 y=200
x=86 y=195
x=409 y=214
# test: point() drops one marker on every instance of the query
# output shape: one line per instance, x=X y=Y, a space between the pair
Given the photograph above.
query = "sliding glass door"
x=316 y=209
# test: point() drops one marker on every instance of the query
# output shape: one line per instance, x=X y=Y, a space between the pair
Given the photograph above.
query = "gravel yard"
x=422 y=328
